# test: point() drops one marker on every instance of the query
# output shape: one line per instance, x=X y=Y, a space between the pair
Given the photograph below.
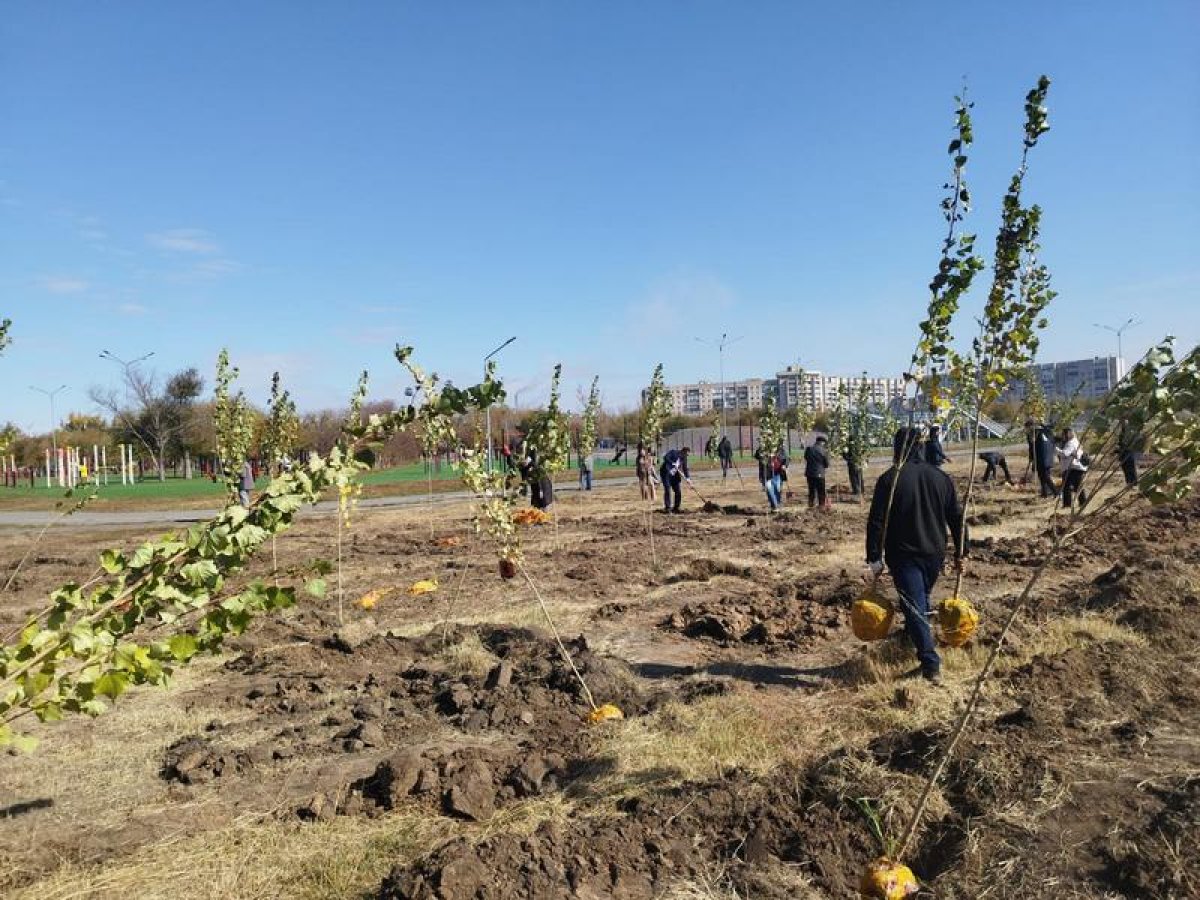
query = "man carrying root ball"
x=924 y=505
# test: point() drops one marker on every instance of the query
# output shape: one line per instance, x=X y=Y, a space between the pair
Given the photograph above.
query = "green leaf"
x=182 y=646
x=112 y=561
x=111 y=684
x=316 y=587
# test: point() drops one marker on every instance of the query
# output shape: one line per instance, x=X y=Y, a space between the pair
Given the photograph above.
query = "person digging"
x=924 y=507
x=673 y=472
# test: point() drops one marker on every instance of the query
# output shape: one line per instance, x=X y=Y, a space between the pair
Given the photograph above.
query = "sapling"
x=149 y=611
x=656 y=406
x=587 y=429
x=1158 y=403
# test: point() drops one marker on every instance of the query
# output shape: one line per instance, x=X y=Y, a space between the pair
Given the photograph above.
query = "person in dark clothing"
x=725 y=453
x=1127 y=452
x=993 y=459
x=673 y=471
x=710 y=447
x=1031 y=453
x=924 y=506
x=1044 y=456
x=934 y=454
x=764 y=466
x=856 y=474
x=816 y=462
x=621 y=451
x=541 y=485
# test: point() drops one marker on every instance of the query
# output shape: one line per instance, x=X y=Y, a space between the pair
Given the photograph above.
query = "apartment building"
x=1086 y=378
x=791 y=387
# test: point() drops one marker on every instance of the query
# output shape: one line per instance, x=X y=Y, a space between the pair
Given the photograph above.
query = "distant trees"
x=152 y=414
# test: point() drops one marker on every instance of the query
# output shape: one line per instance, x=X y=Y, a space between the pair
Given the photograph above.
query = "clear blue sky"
x=307 y=183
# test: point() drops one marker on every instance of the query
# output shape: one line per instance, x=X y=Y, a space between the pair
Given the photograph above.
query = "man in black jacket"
x=725 y=452
x=1044 y=456
x=816 y=462
x=934 y=454
x=673 y=470
x=924 y=506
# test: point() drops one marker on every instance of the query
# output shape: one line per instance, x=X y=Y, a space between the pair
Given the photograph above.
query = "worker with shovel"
x=673 y=471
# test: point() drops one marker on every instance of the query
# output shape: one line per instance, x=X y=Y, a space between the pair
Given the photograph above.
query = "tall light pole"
x=53 y=420
x=721 y=345
x=488 y=412
x=1129 y=323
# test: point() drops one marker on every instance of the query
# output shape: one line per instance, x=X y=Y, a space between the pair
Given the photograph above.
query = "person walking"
x=1074 y=462
x=1043 y=457
x=672 y=472
x=246 y=484
x=816 y=463
x=710 y=447
x=923 y=508
x=725 y=453
x=856 y=474
x=994 y=458
x=644 y=467
x=1127 y=452
x=586 y=464
x=934 y=454
x=1031 y=452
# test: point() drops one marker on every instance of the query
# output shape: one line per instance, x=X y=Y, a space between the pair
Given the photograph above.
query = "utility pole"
x=53 y=420
x=488 y=412
x=721 y=345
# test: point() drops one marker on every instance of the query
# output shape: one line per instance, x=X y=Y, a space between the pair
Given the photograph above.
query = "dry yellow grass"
x=343 y=858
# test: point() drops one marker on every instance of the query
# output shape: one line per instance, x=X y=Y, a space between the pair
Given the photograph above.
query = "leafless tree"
x=152 y=415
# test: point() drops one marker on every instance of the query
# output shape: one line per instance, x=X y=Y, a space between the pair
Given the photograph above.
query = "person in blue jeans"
x=924 y=507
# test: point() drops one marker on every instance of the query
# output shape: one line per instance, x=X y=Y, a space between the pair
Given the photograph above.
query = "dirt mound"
x=743 y=827
x=705 y=569
x=794 y=616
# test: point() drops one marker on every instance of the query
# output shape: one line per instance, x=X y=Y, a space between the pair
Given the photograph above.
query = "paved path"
x=86 y=519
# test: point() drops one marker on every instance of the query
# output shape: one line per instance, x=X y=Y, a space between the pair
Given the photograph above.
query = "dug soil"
x=1079 y=778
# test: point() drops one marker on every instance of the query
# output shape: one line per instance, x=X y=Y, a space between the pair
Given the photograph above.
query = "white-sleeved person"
x=1074 y=468
x=924 y=508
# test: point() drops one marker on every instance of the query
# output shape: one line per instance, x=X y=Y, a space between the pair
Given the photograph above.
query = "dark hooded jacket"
x=924 y=508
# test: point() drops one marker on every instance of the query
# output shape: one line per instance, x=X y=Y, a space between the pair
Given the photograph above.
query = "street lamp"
x=1129 y=323
x=125 y=364
x=53 y=420
x=488 y=412
x=721 y=345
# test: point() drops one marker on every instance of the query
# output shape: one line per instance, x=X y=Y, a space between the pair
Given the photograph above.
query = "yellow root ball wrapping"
x=871 y=617
x=957 y=621
x=887 y=880
x=605 y=713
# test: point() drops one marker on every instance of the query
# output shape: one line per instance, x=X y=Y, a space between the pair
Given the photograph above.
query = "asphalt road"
x=88 y=519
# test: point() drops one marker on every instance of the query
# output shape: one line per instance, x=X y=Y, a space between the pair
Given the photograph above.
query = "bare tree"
x=153 y=416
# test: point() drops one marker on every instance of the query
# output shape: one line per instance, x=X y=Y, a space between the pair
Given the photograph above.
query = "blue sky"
x=309 y=183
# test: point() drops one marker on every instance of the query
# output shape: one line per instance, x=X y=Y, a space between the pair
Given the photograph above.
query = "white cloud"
x=62 y=284
x=183 y=240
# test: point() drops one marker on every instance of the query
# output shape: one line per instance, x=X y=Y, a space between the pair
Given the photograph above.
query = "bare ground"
x=434 y=746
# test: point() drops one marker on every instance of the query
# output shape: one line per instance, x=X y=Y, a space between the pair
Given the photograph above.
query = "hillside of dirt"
x=435 y=746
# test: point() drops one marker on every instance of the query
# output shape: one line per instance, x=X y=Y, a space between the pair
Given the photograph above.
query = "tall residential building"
x=1086 y=378
x=697 y=399
x=814 y=390
x=792 y=387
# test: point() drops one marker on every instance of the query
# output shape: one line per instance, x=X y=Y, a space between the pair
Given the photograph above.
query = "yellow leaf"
x=370 y=598
x=427 y=586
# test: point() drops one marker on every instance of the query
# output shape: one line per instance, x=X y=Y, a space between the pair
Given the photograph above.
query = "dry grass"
x=254 y=861
x=467 y=657
x=745 y=730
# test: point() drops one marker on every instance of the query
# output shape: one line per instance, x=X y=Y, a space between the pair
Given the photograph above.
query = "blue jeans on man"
x=914 y=577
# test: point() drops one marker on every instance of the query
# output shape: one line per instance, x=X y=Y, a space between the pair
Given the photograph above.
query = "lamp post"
x=1129 y=323
x=488 y=412
x=53 y=420
x=721 y=345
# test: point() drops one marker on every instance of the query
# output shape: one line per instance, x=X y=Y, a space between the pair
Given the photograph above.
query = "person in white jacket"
x=1074 y=468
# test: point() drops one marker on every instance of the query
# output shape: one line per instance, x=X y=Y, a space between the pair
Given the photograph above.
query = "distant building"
x=791 y=387
x=1086 y=378
x=697 y=399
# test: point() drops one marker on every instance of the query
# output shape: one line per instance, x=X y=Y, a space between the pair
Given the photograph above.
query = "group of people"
x=773 y=473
